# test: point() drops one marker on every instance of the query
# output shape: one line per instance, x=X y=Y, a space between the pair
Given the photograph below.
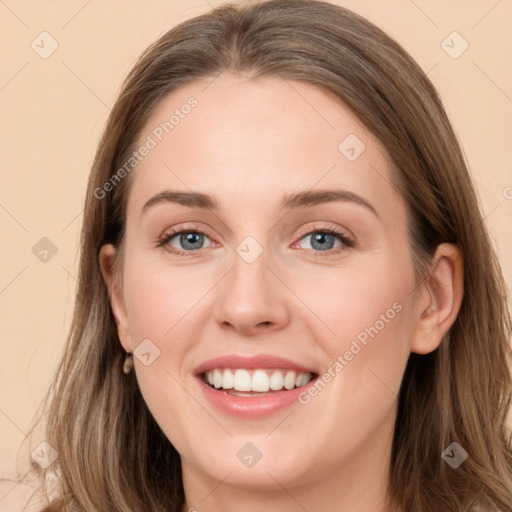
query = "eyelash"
x=342 y=237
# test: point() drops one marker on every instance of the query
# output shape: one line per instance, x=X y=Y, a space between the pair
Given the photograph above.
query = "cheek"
x=368 y=300
x=364 y=326
x=370 y=315
x=159 y=298
x=163 y=305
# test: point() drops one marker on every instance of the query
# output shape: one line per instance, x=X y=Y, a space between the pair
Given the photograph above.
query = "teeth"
x=256 y=380
x=217 y=379
x=289 y=380
x=242 y=380
x=260 y=381
x=228 y=380
x=276 y=381
x=302 y=379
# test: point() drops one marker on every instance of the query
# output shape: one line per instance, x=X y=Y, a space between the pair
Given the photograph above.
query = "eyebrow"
x=314 y=197
x=293 y=201
x=191 y=199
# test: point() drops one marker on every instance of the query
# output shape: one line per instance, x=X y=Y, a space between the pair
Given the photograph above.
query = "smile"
x=253 y=382
x=254 y=386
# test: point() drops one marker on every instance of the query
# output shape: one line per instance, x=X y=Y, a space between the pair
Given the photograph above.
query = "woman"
x=287 y=296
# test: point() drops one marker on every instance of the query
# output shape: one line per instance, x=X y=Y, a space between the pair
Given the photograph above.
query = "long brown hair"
x=460 y=392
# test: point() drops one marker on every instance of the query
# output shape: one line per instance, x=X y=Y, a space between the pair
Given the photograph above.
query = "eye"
x=183 y=242
x=186 y=242
x=321 y=240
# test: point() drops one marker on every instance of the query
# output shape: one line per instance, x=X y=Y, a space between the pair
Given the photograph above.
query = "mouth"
x=255 y=382
x=253 y=386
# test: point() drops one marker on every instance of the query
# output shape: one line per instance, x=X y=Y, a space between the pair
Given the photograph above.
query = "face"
x=271 y=320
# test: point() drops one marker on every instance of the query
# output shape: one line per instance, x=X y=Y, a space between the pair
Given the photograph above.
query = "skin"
x=248 y=143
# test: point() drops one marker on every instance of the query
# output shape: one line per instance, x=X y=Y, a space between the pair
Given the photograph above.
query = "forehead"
x=252 y=140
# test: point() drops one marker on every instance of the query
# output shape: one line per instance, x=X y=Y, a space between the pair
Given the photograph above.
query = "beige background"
x=53 y=110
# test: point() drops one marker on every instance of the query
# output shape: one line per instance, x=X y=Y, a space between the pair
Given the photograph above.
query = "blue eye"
x=322 y=241
x=191 y=240
x=187 y=242
x=327 y=239
x=183 y=243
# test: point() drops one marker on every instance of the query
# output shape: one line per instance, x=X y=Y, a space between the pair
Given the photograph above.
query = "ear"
x=107 y=257
x=439 y=299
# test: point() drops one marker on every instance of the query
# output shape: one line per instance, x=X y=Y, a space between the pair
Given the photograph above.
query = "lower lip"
x=251 y=406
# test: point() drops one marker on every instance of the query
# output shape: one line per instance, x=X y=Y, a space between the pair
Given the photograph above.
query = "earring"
x=128 y=363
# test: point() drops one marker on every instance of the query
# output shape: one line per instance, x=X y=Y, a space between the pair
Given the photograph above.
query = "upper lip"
x=260 y=361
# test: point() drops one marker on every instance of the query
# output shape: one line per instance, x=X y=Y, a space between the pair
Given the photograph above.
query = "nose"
x=252 y=299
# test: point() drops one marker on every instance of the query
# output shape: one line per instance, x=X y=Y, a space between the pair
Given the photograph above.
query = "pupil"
x=323 y=239
x=189 y=239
